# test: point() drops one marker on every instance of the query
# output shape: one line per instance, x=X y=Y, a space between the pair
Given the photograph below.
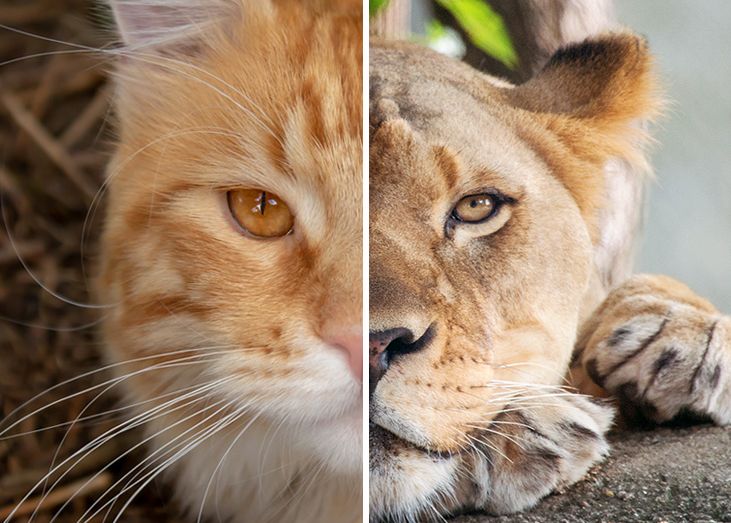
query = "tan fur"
x=659 y=350
x=267 y=97
x=541 y=144
x=503 y=299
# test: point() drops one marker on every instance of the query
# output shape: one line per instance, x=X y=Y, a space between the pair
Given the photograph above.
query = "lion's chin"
x=432 y=432
x=406 y=480
x=395 y=439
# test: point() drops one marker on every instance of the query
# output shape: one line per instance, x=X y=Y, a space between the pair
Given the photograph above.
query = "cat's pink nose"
x=351 y=342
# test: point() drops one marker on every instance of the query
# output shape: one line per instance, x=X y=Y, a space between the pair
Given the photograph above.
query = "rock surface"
x=670 y=475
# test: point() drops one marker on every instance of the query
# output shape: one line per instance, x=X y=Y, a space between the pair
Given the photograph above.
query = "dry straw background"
x=55 y=136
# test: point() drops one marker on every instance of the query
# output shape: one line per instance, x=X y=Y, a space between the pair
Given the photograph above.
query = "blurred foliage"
x=375 y=5
x=443 y=39
x=484 y=27
x=435 y=30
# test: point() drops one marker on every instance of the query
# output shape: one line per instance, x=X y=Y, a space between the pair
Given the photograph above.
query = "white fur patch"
x=582 y=18
x=148 y=23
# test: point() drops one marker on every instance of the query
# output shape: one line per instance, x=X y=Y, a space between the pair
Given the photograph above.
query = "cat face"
x=257 y=103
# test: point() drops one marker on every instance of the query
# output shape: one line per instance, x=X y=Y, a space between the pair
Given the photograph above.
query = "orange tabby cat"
x=232 y=253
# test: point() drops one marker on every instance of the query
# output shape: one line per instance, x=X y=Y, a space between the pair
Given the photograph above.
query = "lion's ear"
x=607 y=79
x=594 y=98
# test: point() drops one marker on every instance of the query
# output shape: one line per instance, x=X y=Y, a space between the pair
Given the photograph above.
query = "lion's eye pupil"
x=260 y=213
x=475 y=208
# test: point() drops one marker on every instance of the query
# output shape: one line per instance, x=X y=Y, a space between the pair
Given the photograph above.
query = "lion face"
x=492 y=296
x=487 y=208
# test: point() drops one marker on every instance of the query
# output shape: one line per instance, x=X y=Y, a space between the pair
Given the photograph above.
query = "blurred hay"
x=54 y=143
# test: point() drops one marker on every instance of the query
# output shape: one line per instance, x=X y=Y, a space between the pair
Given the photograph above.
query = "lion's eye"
x=475 y=208
x=260 y=213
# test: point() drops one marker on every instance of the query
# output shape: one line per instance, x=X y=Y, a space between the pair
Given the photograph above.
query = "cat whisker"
x=220 y=463
x=175 y=393
x=134 y=474
x=471 y=446
x=263 y=456
x=508 y=409
x=436 y=512
x=32 y=274
x=519 y=396
x=110 y=366
x=190 y=445
x=523 y=395
x=165 y=365
x=149 y=58
x=50 y=328
x=521 y=401
x=110 y=434
x=304 y=488
x=151 y=416
x=44 y=54
x=106 y=413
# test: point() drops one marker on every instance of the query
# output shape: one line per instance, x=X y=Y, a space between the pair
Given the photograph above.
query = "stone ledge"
x=671 y=475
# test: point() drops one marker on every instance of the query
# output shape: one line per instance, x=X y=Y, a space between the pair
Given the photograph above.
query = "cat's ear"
x=164 y=23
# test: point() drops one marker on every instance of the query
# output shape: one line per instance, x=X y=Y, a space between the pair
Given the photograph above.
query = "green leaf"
x=435 y=30
x=375 y=5
x=484 y=27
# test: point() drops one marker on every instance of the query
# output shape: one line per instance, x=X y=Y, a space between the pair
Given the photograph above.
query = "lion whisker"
x=489 y=446
x=514 y=439
x=560 y=375
x=502 y=422
x=510 y=383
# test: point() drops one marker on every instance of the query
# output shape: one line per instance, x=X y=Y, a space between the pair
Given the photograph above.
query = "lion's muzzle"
x=386 y=345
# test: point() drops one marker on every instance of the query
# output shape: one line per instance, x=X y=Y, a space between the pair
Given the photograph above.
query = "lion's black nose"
x=384 y=346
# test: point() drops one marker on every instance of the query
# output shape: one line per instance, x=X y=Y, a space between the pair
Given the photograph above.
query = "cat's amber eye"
x=260 y=213
x=476 y=208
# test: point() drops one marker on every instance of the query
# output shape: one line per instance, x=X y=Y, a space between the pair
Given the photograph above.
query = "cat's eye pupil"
x=260 y=213
x=262 y=202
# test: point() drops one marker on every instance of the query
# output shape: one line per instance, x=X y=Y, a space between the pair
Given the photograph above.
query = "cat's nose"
x=384 y=346
x=351 y=342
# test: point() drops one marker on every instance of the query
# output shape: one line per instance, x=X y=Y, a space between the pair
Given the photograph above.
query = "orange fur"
x=269 y=97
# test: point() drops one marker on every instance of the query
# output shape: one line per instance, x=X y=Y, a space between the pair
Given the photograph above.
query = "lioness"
x=500 y=223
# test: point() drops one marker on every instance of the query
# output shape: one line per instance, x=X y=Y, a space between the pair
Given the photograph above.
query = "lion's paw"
x=541 y=443
x=661 y=351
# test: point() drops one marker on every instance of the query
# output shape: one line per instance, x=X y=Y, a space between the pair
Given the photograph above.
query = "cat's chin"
x=338 y=443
